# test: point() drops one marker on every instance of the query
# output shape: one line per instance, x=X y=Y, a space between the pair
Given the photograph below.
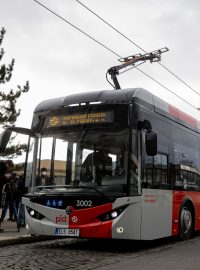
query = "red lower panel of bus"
x=90 y=226
x=179 y=198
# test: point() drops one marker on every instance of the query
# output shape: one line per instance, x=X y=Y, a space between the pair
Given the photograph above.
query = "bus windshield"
x=84 y=158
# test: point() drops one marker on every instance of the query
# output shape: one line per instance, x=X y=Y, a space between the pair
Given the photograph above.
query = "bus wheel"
x=185 y=222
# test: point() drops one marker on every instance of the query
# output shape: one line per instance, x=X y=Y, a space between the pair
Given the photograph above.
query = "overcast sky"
x=58 y=60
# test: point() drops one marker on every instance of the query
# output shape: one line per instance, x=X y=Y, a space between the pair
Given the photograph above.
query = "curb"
x=25 y=240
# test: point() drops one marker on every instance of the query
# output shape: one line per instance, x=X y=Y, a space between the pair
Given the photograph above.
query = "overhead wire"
x=166 y=88
x=181 y=80
x=135 y=44
x=77 y=28
x=110 y=50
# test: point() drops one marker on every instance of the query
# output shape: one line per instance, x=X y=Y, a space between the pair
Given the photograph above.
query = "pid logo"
x=61 y=219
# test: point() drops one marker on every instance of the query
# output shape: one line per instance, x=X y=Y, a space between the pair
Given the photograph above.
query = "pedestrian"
x=16 y=180
x=10 y=168
x=9 y=197
x=43 y=179
x=3 y=180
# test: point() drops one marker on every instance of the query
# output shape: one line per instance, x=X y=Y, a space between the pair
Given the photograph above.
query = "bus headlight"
x=34 y=213
x=112 y=214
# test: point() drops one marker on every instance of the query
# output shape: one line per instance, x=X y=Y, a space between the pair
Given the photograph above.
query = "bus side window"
x=197 y=181
x=156 y=172
x=148 y=172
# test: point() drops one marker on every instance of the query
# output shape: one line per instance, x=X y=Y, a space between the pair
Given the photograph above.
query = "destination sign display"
x=79 y=119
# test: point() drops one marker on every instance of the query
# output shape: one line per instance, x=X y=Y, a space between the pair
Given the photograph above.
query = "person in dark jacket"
x=10 y=167
x=19 y=180
x=43 y=179
x=9 y=197
x=3 y=181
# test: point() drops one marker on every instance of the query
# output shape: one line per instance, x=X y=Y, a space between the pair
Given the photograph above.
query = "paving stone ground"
x=77 y=254
x=97 y=254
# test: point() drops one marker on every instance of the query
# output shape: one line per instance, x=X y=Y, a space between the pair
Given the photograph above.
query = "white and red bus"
x=123 y=164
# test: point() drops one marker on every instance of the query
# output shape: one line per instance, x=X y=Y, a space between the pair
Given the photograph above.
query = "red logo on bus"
x=61 y=219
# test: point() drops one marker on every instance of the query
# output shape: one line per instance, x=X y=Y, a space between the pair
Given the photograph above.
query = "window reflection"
x=156 y=172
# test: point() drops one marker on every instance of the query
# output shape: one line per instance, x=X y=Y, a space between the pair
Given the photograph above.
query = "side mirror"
x=4 y=139
x=151 y=143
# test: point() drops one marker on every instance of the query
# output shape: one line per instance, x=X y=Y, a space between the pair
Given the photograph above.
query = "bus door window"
x=62 y=152
x=134 y=166
x=77 y=163
x=44 y=158
x=120 y=162
x=29 y=168
x=88 y=172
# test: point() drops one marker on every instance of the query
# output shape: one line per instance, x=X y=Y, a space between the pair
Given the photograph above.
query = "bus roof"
x=105 y=96
x=122 y=96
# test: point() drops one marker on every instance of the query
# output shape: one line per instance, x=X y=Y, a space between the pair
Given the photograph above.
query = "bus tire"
x=185 y=222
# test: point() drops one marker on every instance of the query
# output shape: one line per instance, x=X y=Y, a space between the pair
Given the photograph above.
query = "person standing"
x=9 y=197
x=43 y=179
x=10 y=168
x=3 y=181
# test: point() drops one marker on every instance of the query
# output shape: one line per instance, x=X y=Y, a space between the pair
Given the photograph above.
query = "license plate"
x=67 y=232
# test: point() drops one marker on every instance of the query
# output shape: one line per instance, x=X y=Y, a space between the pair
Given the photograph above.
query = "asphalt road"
x=102 y=255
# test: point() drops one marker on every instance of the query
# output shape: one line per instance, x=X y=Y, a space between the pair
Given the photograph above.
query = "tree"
x=8 y=99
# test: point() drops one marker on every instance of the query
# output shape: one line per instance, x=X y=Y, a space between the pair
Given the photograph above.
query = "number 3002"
x=84 y=203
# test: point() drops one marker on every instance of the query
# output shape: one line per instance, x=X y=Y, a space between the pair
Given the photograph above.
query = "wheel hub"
x=186 y=219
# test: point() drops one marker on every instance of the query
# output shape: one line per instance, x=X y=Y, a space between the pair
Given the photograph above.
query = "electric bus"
x=123 y=164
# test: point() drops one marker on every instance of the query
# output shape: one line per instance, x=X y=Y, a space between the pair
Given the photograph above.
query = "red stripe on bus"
x=182 y=116
x=90 y=226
